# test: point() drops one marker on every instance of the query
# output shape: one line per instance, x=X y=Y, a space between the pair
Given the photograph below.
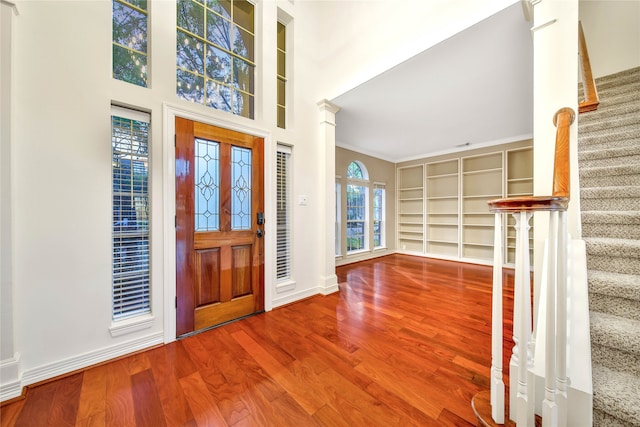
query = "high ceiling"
x=471 y=90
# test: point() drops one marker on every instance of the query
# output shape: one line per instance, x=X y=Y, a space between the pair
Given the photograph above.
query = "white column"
x=327 y=164
x=561 y=327
x=9 y=359
x=497 y=383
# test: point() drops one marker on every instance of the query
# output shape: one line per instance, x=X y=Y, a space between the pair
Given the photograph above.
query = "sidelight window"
x=130 y=213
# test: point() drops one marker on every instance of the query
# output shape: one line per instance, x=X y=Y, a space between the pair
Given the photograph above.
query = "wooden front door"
x=219 y=225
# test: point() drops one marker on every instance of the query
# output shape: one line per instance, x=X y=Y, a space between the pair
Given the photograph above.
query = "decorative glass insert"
x=130 y=41
x=378 y=215
x=130 y=214
x=207 y=185
x=282 y=74
x=215 y=54
x=240 y=188
x=356 y=217
x=283 y=211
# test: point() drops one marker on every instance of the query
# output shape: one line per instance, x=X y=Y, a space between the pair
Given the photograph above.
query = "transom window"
x=215 y=54
x=130 y=59
x=282 y=74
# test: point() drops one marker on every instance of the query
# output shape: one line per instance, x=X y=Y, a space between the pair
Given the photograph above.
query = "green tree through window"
x=215 y=54
x=129 y=20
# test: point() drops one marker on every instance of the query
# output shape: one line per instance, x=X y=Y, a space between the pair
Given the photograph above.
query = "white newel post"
x=497 y=383
x=562 y=315
x=521 y=392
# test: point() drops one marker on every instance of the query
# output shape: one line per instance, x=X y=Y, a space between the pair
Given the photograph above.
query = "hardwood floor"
x=406 y=341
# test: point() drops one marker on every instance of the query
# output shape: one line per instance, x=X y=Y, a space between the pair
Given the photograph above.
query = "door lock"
x=260 y=233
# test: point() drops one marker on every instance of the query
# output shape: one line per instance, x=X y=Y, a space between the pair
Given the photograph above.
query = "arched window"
x=357 y=207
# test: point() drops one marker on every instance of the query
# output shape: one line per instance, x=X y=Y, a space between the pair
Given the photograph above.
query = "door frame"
x=169 y=114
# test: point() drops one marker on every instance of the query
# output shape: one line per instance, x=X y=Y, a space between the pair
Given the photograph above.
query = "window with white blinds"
x=283 y=213
x=130 y=226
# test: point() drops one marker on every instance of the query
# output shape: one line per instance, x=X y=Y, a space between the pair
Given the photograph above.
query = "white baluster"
x=549 y=406
x=497 y=383
x=524 y=406
x=561 y=335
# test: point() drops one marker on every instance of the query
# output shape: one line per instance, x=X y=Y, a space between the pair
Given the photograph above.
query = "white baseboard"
x=51 y=370
x=329 y=284
x=10 y=384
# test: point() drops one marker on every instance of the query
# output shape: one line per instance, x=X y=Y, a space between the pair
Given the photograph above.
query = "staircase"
x=609 y=162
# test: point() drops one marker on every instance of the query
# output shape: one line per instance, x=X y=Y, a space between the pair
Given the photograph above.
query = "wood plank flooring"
x=405 y=342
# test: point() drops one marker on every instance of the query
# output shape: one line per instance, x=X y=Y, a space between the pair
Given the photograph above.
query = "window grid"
x=219 y=74
x=129 y=40
x=379 y=194
x=338 y=208
x=356 y=217
x=283 y=209
x=130 y=231
x=282 y=74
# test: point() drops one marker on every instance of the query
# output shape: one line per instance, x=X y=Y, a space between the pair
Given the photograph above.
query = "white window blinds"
x=283 y=210
x=130 y=225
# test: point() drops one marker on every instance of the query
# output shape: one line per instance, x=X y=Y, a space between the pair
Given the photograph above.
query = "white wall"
x=62 y=184
x=612 y=32
x=363 y=38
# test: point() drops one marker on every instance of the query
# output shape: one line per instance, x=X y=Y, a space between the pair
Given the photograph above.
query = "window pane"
x=223 y=7
x=189 y=86
x=243 y=14
x=129 y=22
x=218 y=31
x=240 y=188
x=207 y=185
x=190 y=53
x=243 y=43
x=218 y=65
x=218 y=96
x=356 y=217
x=130 y=213
x=191 y=17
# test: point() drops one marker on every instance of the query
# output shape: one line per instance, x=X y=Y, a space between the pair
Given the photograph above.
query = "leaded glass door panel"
x=219 y=245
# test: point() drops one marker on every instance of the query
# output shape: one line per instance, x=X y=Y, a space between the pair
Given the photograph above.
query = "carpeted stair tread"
x=613 y=331
x=607 y=110
x=614 y=169
x=614 y=224
x=610 y=123
x=608 y=153
x=618 y=138
x=618 y=79
x=616 y=306
x=610 y=192
x=624 y=248
x=616 y=393
x=614 y=284
x=615 y=359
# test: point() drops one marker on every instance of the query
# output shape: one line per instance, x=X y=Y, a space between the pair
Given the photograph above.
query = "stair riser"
x=617 y=306
x=612 y=110
x=615 y=359
x=632 y=159
x=602 y=419
x=613 y=124
x=605 y=140
x=610 y=204
x=614 y=231
x=609 y=181
x=614 y=265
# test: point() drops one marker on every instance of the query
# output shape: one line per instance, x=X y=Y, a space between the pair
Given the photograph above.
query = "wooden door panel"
x=242 y=262
x=207 y=276
x=219 y=251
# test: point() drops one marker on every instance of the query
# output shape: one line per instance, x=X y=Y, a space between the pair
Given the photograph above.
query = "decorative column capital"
x=328 y=111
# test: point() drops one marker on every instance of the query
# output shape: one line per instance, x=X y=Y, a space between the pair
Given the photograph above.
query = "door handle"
x=260 y=233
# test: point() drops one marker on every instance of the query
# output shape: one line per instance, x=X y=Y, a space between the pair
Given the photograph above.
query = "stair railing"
x=591 y=100
x=521 y=393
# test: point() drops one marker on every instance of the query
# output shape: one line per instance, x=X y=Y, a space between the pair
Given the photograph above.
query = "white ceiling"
x=471 y=90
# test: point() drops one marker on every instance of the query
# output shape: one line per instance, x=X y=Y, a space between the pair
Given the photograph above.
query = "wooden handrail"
x=559 y=200
x=591 y=99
